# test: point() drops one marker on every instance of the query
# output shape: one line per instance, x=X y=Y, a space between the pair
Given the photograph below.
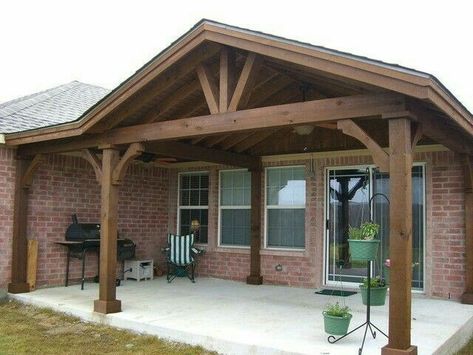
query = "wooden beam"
x=18 y=282
x=187 y=151
x=467 y=296
x=94 y=161
x=227 y=77
x=27 y=177
x=209 y=87
x=255 y=277
x=400 y=238
x=316 y=111
x=380 y=157
x=245 y=82
x=133 y=151
x=107 y=302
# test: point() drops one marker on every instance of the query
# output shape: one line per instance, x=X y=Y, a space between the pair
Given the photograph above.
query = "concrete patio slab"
x=235 y=318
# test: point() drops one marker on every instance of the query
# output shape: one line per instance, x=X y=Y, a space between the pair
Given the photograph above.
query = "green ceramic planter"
x=363 y=249
x=377 y=295
x=336 y=325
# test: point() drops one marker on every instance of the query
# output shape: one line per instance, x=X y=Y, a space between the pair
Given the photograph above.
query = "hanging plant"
x=363 y=242
x=336 y=319
x=378 y=290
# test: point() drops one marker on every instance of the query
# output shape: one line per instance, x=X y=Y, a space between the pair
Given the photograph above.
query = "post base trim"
x=467 y=298
x=18 y=287
x=107 y=307
x=254 y=280
x=386 y=350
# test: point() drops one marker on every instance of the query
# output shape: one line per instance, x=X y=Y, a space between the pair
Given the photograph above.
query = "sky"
x=48 y=43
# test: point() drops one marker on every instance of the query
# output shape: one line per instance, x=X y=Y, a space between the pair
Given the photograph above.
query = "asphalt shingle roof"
x=62 y=104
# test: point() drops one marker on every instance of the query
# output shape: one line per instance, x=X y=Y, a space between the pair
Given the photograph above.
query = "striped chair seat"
x=180 y=249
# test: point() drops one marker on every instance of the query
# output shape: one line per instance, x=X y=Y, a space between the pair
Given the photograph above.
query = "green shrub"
x=335 y=310
x=367 y=231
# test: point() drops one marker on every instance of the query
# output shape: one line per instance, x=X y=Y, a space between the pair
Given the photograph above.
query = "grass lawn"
x=27 y=329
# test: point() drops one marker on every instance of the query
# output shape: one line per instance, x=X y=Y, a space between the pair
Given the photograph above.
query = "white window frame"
x=179 y=207
x=220 y=208
x=266 y=246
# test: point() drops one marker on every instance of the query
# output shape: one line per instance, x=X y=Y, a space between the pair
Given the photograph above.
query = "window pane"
x=235 y=188
x=285 y=186
x=193 y=192
x=286 y=228
x=381 y=216
x=235 y=227
x=186 y=217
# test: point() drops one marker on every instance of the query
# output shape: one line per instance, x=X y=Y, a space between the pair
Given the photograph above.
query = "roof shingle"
x=62 y=104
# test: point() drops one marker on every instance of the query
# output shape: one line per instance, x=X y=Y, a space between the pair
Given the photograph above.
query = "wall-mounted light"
x=278 y=267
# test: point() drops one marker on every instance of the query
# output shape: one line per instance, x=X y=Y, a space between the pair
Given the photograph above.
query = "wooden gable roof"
x=168 y=87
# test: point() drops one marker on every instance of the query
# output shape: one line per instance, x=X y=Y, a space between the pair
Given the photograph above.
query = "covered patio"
x=241 y=99
x=234 y=318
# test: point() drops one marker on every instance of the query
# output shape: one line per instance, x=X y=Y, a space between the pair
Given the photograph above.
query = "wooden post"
x=107 y=302
x=400 y=239
x=255 y=277
x=467 y=297
x=18 y=282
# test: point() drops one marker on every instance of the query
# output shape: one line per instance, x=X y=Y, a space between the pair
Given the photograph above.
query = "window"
x=235 y=207
x=193 y=203
x=285 y=207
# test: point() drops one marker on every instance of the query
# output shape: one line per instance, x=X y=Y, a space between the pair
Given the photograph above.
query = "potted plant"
x=363 y=242
x=378 y=291
x=336 y=319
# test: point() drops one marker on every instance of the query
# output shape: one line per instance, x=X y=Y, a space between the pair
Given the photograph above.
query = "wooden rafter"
x=380 y=157
x=436 y=129
x=169 y=102
x=95 y=162
x=225 y=123
x=192 y=152
x=227 y=77
x=245 y=82
x=182 y=68
x=235 y=139
x=214 y=140
x=209 y=87
x=133 y=151
x=255 y=139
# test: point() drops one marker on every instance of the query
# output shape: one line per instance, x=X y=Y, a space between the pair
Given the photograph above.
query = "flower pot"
x=377 y=295
x=363 y=249
x=336 y=325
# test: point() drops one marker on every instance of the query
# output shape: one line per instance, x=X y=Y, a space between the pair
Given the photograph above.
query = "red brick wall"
x=65 y=185
x=7 y=184
x=444 y=247
x=148 y=204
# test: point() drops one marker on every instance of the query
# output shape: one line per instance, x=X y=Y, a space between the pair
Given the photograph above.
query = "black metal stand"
x=367 y=324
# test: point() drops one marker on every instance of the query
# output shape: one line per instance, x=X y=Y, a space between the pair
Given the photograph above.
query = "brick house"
x=274 y=146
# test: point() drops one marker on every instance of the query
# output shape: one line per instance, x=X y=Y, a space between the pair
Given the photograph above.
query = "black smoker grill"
x=85 y=237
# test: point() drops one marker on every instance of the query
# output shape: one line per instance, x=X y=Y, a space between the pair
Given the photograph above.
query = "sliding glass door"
x=350 y=192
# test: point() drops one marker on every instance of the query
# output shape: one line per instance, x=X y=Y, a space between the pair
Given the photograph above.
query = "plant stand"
x=367 y=324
